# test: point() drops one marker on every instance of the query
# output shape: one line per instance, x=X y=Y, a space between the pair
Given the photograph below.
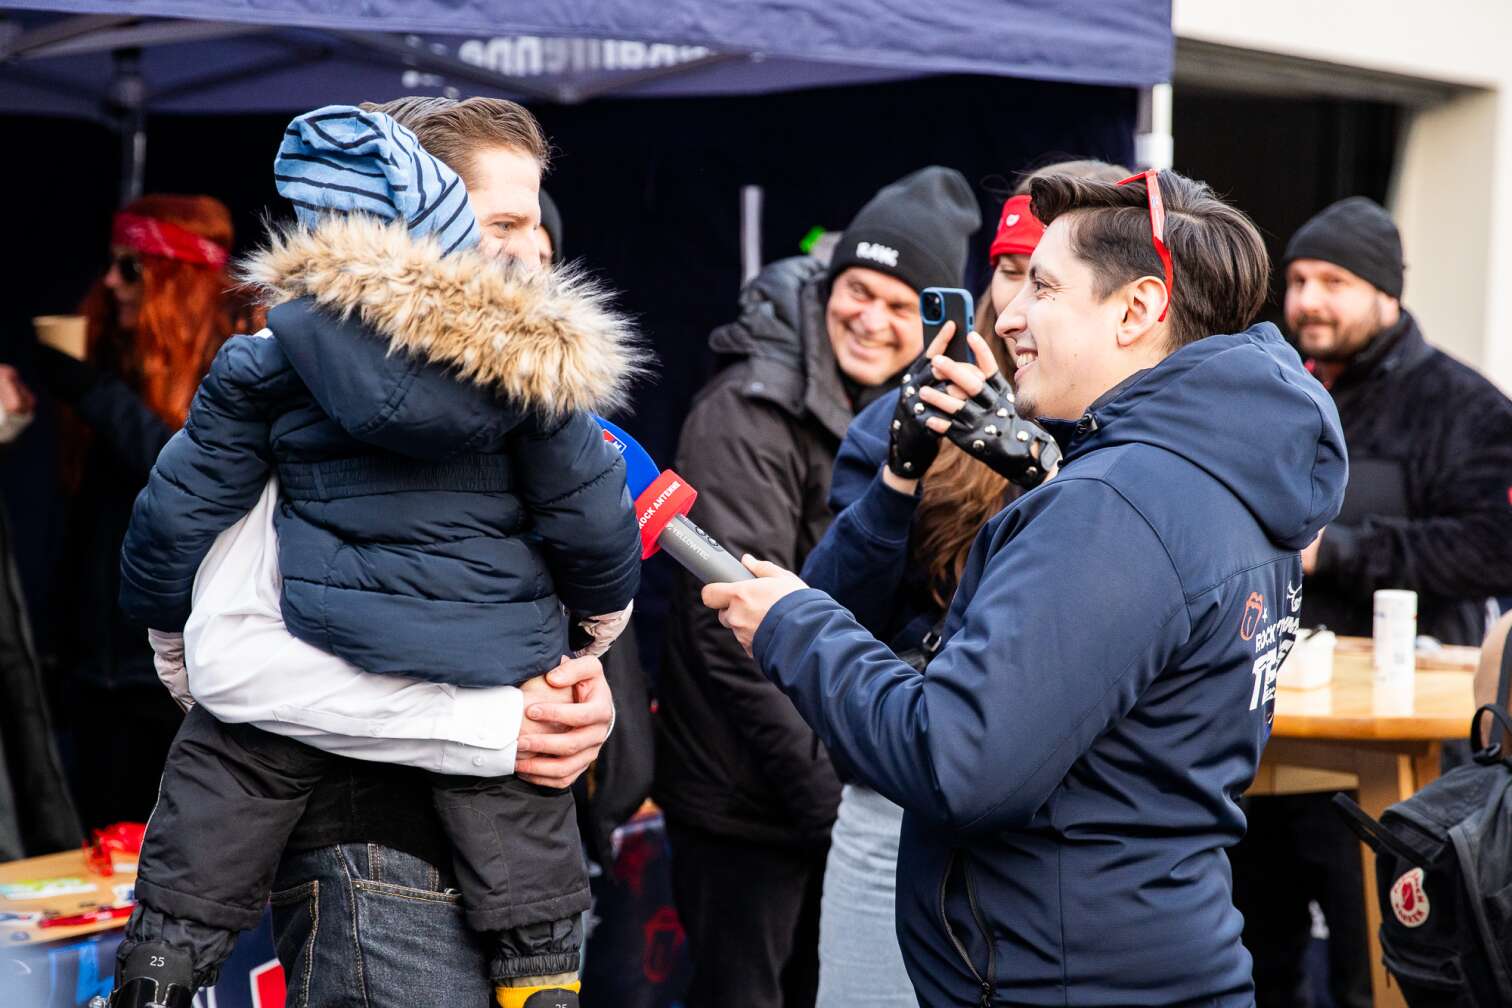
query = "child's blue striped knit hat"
x=340 y=159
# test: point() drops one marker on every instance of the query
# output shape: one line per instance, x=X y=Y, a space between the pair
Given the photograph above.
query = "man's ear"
x=1143 y=301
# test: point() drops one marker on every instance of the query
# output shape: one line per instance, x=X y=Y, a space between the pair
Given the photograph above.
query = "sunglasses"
x=129 y=266
x=1151 y=179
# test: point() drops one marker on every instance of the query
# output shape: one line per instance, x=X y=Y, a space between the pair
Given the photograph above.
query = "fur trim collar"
x=547 y=340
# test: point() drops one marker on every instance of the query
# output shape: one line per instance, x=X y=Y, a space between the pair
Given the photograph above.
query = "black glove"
x=911 y=447
x=67 y=378
x=989 y=429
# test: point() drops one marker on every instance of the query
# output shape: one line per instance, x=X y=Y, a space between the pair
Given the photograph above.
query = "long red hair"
x=187 y=311
x=960 y=494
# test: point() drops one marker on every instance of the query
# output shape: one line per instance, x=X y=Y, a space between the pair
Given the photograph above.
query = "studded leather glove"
x=988 y=428
x=911 y=447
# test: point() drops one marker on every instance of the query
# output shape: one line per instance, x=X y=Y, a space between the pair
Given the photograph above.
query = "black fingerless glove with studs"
x=988 y=428
x=911 y=447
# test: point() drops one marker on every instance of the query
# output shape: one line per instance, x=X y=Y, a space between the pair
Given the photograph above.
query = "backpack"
x=1444 y=875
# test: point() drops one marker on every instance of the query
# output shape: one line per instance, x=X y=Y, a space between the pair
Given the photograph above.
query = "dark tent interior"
x=649 y=190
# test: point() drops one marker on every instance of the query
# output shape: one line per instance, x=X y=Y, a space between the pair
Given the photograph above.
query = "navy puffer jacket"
x=444 y=491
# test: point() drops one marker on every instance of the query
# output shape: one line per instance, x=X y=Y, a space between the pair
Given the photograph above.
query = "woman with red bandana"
x=154 y=320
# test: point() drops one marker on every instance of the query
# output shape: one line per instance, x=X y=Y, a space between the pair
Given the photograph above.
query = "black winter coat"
x=96 y=644
x=36 y=810
x=733 y=756
x=1429 y=501
x=617 y=784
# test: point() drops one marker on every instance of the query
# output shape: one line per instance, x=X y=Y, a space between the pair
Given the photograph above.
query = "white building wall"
x=1453 y=193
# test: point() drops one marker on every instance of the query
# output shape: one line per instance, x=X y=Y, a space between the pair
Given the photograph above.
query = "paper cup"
x=1395 y=637
x=1309 y=664
x=61 y=332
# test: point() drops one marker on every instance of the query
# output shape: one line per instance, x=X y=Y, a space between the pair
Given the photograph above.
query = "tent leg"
x=750 y=233
x=1154 y=147
x=128 y=101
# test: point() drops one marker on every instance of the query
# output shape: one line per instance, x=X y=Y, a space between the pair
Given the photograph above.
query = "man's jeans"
x=365 y=926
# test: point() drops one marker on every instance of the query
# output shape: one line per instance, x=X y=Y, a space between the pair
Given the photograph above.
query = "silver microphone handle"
x=696 y=550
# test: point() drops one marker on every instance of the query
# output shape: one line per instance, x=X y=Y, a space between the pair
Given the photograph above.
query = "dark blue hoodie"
x=1071 y=761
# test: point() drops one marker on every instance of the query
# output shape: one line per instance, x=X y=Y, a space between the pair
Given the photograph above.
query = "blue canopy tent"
x=272 y=55
x=121 y=60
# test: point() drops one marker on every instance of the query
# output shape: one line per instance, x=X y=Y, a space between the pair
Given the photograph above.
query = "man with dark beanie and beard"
x=1428 y=508
x=748 y=791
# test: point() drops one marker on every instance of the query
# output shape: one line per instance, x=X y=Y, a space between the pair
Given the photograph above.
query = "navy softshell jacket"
x=1070 y=764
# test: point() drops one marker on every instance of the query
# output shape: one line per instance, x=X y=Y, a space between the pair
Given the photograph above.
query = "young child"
x=445 y=501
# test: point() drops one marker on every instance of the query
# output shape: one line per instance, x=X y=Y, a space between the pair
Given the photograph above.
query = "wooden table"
x=69 y=864
x=1386 y=743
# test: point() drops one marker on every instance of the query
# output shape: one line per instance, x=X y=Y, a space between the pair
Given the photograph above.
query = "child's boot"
x=154 y=975
x=559 y=991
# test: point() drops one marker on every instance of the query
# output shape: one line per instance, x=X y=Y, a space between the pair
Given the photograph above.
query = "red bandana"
x=151 y=236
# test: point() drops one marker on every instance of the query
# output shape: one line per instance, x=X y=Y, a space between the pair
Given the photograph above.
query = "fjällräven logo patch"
x=1409 y=901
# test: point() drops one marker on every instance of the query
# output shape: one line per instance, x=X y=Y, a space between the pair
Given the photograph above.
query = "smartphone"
x=938 y=305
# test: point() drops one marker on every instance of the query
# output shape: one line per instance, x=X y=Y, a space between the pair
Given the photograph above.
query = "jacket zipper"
x=984 y=985
x=981 y=923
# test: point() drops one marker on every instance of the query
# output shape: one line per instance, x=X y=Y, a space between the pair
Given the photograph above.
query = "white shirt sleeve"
x=12 y=424
x=245 y=667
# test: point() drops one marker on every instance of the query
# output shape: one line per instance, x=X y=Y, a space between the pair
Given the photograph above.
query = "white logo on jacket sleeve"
x=1272 y=640
x=884 y=254
x=1409 y=900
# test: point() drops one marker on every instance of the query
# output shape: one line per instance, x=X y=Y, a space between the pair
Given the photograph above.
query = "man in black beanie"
x=748 y=792
x=1428 y=508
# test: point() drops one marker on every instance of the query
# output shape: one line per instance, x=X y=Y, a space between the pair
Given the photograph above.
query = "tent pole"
x=1154 y=146
x=128 y=105
x=66 y=30
x=575 y=94
x=750 y=232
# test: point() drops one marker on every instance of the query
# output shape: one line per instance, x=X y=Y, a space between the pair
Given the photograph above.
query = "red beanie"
x=1018 y=230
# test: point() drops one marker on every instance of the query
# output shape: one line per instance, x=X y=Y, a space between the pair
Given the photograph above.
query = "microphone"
x=662 y=502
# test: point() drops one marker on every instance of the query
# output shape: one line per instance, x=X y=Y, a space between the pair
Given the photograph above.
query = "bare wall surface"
x=1453 y=192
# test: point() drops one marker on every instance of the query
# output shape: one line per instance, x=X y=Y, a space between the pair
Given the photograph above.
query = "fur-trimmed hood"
x=547 y=340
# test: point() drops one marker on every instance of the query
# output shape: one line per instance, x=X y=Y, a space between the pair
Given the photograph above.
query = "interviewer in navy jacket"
x=1069 y=762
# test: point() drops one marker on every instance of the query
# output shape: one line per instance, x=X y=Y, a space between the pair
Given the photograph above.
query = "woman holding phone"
x=893 y=556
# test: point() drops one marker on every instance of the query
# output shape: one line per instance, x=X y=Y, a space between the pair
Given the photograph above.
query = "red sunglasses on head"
x=1157 y=230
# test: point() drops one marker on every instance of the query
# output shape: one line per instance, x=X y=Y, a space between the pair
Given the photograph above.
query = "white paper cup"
x=62 y=332
x=1309 y=664
x=1395 y=637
